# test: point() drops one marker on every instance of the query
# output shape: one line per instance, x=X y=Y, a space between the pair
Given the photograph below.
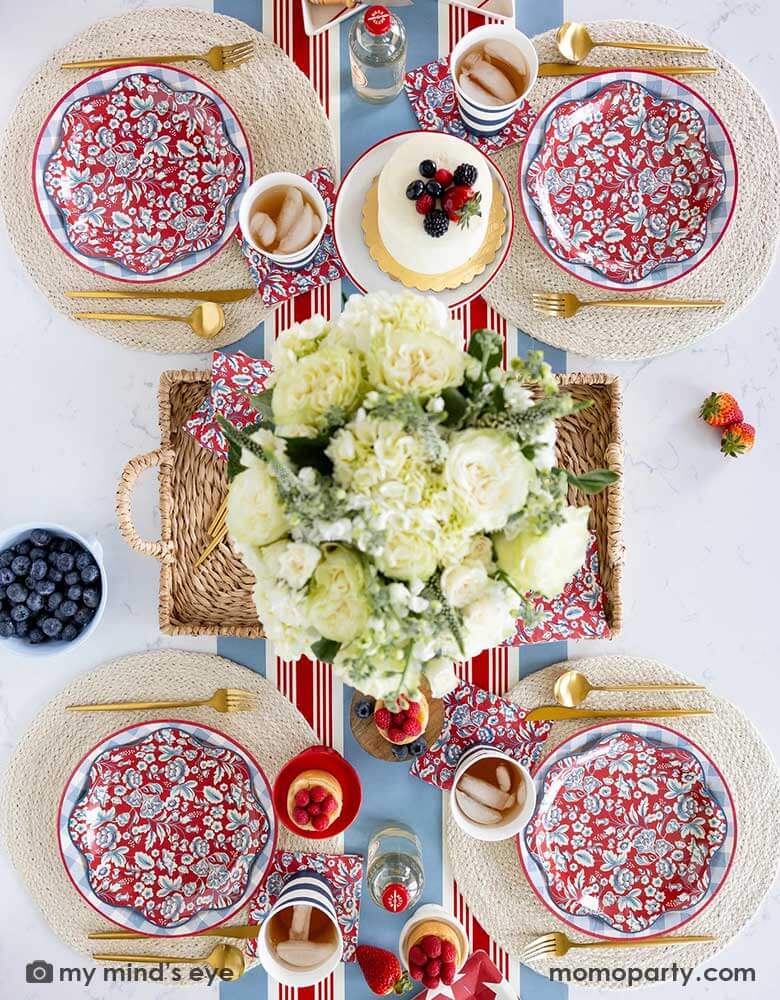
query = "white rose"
x=544 y=452
x=330 y=378
x=422 y=363
x=296 y=342
x=297 y=563
x=441 y=676
x=254 y=511
x=464 y=583
x=409 y=551
x=481 y=550
x=488 y=476
x=490 y=619
x=546 y=563
x=338 y=604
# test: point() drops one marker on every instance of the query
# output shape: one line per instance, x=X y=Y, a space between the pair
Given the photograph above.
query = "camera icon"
x=40 y=972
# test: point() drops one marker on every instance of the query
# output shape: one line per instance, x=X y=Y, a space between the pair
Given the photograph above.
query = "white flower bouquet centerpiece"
x=398 y=501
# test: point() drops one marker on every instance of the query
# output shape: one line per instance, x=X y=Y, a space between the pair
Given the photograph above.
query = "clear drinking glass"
x=395 y=868
x=377 y=55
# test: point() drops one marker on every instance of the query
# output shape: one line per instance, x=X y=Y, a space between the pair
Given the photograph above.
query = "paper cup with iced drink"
x=493 y=796
x=283 y=216
x=300 y=942
x=493 y=68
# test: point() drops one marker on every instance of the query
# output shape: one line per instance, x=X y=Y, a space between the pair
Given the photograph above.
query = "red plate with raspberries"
x=317 y=794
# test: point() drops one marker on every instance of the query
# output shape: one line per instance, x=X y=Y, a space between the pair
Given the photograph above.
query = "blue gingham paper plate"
x=715 y=786
x=76 y=865
x=717 y=139
x=49 y=140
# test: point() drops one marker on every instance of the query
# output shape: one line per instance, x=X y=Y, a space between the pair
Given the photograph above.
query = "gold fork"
x=219 y=57
x=223 y=700
x=559 y=945
x=217 y=530
x=565 y=305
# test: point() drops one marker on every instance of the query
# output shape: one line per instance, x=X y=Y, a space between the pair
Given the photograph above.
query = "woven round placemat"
x=47 y=753
x=492 y=880
x=734 y=271
x=275 y=103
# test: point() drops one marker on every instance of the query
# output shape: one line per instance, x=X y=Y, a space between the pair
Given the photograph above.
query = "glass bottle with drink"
x=377 y=55
x=395 y=869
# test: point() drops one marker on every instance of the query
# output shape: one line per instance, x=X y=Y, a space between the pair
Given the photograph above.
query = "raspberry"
x=396 y=735
x=431 y=982
x=382 y=718
x=417 y=956
x=318 y=793
x=448 y=952
x=416 y=971
x=320 y=823
x=302 y=798
x=432 y=967
x=424 y=203
x=444 y=177
x=411 y=727
x=398 y=717
x=448 y=973
x=300 y=816
x=431 y=945
x=329 y=806
x=314 y=809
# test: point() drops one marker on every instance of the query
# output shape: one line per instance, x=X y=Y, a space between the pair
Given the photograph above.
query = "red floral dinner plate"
x=138 y=172
x=320 y=759
x=628 y=180
x=634 y=831
x=167 y=827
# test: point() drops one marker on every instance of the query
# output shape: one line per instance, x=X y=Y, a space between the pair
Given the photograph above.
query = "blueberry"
x=36 y=637
x=69 y=633
x=39 y=569
x=66 y=610
x=64 y=562
x=40 y=537
x=6 y=557
x=45 y=587
x=91 y=597
x=7 y=576
x=52 y=627
x=434 y=189
x=399 y=752
x=29 y=582
x=37 y=553
x=74 y=593
x=67 y=545
x=21 y=629
x=6 y=629
x=16 y=593
x=22 y=548
x=52 y=556
x=71 y=578
x=90 y=573
x=364 y=709
x=83 y=559
x=21 y=565
x=34 y=602
x=20 y=613
x=418 y=748
x=427 y=168
x=54 y=601
x=414 y=190
x=83 y=616
x=54 y=574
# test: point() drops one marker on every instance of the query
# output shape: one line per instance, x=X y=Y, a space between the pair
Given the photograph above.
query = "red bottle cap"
x=395 y=897
x=377 y=20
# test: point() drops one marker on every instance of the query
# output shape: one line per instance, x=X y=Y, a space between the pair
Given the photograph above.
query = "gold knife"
x=212 y=295
x=243 y=931
x=576 y=69
x=557 y=713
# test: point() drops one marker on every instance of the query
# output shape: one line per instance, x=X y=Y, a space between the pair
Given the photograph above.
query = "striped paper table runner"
x=389 y=792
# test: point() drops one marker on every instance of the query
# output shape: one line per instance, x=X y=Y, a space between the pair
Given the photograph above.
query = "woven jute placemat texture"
x=276 y=104
x=57 y=740
x=491 y=877
x=734 y=271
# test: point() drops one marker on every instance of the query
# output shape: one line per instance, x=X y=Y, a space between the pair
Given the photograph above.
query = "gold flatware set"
x=575 y=43
x=564 y=305
x=572 y=688
x=223 y=700
x=575 y=69
x=225 y=960
x=245 y=932
x=558 y=944
x=206 y=320
x=219 y=57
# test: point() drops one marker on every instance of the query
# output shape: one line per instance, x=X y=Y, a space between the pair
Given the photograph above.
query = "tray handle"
x=124 y=506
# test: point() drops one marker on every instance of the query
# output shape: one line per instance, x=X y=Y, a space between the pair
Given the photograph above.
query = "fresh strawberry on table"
x=737 y=439
x=720 y=409
x=381 y=970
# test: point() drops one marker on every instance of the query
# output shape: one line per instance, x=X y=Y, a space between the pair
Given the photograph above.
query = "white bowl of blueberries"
x=52 y=589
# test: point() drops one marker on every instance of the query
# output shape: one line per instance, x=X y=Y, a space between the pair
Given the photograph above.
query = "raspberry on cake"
x=435 y=951
x=314 y=801
x=406 y=723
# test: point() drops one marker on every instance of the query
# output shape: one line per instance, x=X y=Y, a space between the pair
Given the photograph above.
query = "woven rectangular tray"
x=216 y=598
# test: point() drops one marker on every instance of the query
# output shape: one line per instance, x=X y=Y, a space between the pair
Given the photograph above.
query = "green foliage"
x=234 y=465
x=593 y=482
x=326 y=649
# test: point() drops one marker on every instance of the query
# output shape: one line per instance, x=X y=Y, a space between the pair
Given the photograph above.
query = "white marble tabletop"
x=702 y=543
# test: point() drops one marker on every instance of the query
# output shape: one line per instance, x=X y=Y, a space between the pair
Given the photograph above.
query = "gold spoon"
x=226 y=960
x=575 y=43
x=572 y=688
x=206 y=320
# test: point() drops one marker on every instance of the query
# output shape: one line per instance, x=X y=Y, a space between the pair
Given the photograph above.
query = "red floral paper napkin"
x=471 y=716
x=277 y=284
x=576 y=613
x=233 y=378
x=344 y=874
x=479 y=979
x=432 y=96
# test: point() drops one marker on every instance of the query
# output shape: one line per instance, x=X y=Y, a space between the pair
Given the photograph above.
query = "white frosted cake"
x=411 y=236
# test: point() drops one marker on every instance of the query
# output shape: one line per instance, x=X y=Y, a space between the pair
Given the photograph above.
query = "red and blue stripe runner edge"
x=389 y=792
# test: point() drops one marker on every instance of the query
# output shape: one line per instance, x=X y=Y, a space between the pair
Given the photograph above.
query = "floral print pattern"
x=625 y=181
x=169 y=826
x=144 y=175
x=626 y=831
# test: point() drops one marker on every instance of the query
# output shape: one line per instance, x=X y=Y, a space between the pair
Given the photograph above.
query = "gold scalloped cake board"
x=435 y=282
